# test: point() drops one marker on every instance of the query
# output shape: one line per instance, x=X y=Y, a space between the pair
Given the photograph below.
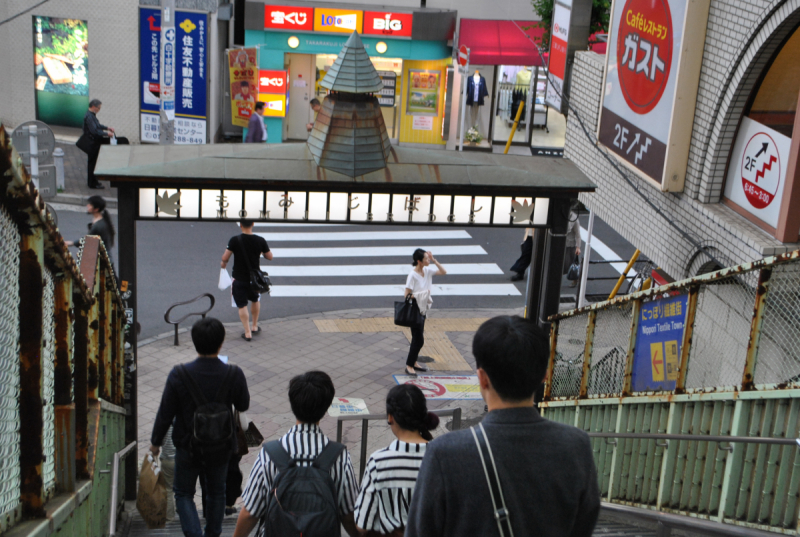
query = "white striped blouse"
x=302 y=441
x=389 y=480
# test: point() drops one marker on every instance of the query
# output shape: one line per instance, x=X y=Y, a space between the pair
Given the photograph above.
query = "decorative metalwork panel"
x=610 y=349
x=568 y=365
x=48 y=383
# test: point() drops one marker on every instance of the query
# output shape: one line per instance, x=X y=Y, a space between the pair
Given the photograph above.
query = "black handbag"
x=406 y=313
x=259 y=280
x=574 y=269
x=85 y=143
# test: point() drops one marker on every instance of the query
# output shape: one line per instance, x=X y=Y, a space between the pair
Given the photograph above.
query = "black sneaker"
x=518 y=276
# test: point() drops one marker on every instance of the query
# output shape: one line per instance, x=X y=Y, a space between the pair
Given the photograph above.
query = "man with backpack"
x=303 y=484
x=198 y=398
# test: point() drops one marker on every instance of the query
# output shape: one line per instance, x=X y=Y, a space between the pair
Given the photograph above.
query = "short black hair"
x=244 y=84
x=259 y=105
x=245 y=223
x=314 y=102
x=94 y=103
x=514 y=353
x=417 y=256
x=311 y=395
x=207 y=336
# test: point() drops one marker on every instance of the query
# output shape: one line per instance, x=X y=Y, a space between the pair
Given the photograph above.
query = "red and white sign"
x=272 y=81
x=557 y=66
x=757 y=170
x=388 y=24
x=289 y=18
x=463 y=55
x=444 y=387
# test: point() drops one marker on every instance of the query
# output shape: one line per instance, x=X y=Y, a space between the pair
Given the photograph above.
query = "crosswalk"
x=320 y=259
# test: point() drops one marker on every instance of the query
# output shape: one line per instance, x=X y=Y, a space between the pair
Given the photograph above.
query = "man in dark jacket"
x=178 y=405
x=96 y=132
x=256 y=131
x=546 y=470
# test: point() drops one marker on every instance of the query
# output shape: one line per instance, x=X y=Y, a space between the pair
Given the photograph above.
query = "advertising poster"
x=149 y=73
x=423 y=92
x=243 y=65
x=559 y=39
x=659 y=338
x=61 y=70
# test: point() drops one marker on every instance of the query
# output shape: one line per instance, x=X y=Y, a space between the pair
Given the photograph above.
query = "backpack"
x=303 y=500
x=212 y=422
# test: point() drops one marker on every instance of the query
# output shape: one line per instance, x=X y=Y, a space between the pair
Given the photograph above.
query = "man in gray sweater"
x=546 y=470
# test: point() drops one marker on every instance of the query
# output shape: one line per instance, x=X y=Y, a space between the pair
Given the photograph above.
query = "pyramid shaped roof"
x=353 y=72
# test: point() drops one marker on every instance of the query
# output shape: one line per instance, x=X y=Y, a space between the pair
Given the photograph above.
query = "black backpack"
x=212 y=422
x=303 y=500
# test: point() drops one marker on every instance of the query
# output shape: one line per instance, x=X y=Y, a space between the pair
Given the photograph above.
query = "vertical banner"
x=149 y=73
x=557 y=68
x=243 y=65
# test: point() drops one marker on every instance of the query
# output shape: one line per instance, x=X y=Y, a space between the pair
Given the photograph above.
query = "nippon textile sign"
x=557 y=68
x=341 y=21
x=388 y=24
x=272 y=81
x=757 y=170
x=645 y=79
x=274 y=104
x=464 y=388
x=347 y=406
x=289 y=18
x=659 y=338
x=243 y=67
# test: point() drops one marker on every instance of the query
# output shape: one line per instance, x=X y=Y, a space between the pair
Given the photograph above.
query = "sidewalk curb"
x=80 y=199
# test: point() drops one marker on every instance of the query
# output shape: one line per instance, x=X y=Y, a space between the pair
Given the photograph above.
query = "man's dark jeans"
x=185 y=485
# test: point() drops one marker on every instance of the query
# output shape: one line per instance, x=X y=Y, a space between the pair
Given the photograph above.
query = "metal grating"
x=612 y=336
x=568 y=367
x=778 y=360
x=48 y=383
x=9 y=365
x=721 y=332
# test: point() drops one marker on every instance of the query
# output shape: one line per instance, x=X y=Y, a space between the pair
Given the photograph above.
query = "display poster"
x=423 y=92
x=243 y=65
x=659 y=338
x=388 y=94
x=757 y=170
x=557 y=67
x=422 y=123
x=61 y=70
x=464 y=388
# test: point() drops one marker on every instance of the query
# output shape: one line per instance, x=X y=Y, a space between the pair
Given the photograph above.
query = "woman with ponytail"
x=382 y=504
x=101 y=225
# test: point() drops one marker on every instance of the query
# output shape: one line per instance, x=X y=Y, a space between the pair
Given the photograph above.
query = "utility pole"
x=166 y=134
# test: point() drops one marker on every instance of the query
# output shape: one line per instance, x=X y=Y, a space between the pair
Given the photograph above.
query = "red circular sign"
x=429 y=388
x=760 y=170
x=463 y=55
x=644 y=52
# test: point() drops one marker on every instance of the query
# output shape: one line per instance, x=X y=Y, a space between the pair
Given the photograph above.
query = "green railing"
x=731 y=368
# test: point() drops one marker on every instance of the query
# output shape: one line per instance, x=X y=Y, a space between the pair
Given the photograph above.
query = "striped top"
x=389 y=480
x=302 y=441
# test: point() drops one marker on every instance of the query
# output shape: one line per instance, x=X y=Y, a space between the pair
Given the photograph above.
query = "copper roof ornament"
x=349 y=135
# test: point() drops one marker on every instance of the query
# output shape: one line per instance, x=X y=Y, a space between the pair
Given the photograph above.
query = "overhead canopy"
x=500 y=42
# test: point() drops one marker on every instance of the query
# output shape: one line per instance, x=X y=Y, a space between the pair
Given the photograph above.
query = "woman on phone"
x=418 y=285
x=388 y=483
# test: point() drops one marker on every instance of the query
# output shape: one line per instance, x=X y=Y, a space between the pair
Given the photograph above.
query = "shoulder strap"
x=279 y=457
x=501 y=514
x=222 y=393
x=328 y=456
x=191 y=385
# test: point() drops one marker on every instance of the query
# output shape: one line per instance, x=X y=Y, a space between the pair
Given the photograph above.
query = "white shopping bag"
x=224 y=279
x=114 y=140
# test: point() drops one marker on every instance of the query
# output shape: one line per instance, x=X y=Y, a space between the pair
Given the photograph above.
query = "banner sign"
x=388 y=94
x=290 y=18
x=757 y=170
x=341 y=21
x=243 y=65
x=646 y=79
x=659 y=338
x=270 y=81
x=559 y=39
x=386 y=24
x=274 y=104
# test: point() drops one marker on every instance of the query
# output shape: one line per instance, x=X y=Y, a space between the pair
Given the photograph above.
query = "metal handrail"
x=700 y=438
x=118 y=456
x=179 y=321
x=366 y=418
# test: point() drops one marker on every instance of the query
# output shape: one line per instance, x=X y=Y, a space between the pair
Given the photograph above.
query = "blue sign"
x=191 y=69
x=657 y=355
x=149 y=60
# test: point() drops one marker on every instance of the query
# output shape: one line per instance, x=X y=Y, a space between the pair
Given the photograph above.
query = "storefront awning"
x=500 y=42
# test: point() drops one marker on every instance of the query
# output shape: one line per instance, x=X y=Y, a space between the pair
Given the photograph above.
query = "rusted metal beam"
x=748 y=376
x=81 y=379
x=102 y=334
x=64 y=350
x=591 y=324
x=65 y=448
x=688 y=335
x=548 y=379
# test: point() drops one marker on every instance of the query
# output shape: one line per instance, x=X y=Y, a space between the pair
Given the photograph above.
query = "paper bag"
x=224 y=279
x=151 y=500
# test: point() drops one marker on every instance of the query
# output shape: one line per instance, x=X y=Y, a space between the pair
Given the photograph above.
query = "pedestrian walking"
x=256 y=130
x=197 y=398
x=521 y=265
x=573 y=247
x=94 y=131
x=101 y=224
x=418 y=285
x=303 y=483
x=315 y=107
x=388 y=483
x=246 y=250
x=515 y=473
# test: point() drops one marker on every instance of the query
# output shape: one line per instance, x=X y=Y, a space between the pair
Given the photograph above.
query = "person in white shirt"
x=418 y=285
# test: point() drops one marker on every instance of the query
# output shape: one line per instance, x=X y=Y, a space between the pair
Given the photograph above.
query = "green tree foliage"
x=544 y=8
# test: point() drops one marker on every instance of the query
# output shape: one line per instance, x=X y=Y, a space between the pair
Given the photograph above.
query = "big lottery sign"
x=757 y=170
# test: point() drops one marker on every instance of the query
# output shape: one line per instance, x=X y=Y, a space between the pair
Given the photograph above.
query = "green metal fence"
x=738 y=374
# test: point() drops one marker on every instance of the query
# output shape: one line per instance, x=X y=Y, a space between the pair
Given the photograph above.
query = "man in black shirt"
x=246 y=247
x=96 y=132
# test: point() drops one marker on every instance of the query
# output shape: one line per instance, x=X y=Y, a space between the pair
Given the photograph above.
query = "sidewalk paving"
x=76 y=186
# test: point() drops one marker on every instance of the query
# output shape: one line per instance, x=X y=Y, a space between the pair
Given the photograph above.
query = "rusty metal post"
x=548 y=379
x=748 y=376
x=102 y=332
x=64 y=408
x=81 y=380
x=31 y=289
x=688 y=334
x=628 y=378
x=591 y=324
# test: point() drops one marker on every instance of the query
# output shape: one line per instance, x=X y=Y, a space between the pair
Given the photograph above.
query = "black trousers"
x=93 y=154
x=525 y=256
x=417 y=341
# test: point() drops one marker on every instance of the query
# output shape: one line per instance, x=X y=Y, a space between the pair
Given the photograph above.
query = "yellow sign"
x=243 y=65
x=339 y=21
x=274 y=105
x=671 y=357
x=657 y=361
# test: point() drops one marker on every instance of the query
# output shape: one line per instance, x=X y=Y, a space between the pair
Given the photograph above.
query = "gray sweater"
x=546 y=470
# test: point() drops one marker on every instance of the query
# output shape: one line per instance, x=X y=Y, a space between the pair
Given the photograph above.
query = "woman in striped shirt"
x=382 y=504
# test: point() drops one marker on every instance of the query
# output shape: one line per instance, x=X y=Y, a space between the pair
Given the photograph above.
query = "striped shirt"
x=389 y=480
x=302 y=441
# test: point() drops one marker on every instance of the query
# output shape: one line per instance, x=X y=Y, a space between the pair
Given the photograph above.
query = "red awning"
x=500 y=42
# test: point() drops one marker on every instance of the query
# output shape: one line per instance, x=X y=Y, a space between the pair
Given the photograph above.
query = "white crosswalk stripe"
x=366 y=236
x=376 y=251
x=300 y=271
x=467 y=289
